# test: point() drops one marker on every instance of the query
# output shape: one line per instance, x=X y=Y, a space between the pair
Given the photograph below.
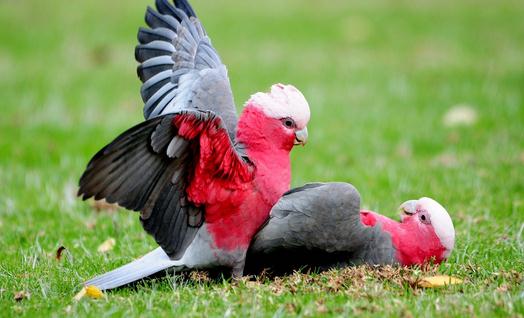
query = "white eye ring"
x=424 y=217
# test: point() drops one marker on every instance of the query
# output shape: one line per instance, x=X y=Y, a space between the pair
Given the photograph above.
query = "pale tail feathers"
x=149 y=264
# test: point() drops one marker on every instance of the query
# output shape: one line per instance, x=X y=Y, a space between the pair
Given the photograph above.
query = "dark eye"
x=288 y=122
x=424 y=218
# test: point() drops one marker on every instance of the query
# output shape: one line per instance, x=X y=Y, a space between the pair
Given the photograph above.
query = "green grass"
x=379 y=78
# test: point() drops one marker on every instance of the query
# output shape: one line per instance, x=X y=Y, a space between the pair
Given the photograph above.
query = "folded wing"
x=317 y=225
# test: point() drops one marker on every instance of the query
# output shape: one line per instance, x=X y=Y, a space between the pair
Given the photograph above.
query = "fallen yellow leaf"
x=438 y=281
x=107 y=245
x=93 y=292
x=89 y=291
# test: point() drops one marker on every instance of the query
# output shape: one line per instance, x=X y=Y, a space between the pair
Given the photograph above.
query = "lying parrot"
x=203 y=181
x=320 y=225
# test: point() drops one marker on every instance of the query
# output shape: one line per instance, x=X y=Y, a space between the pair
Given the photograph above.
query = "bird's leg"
x=238 y=269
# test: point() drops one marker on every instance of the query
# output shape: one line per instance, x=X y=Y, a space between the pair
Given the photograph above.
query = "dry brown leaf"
x=21 y=295
x=199 y=276
x=503 y=288
x=107 y=245
x=321 y=307
x=103 y=205
x=90 y=224
x=59 y=253
x=252 y=284
x=89 y=291
x=447 y=160
x=438 y=281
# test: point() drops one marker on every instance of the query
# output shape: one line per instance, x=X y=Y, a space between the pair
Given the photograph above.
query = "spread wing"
x=179 y=67
x=149 y=167
x=317 y=225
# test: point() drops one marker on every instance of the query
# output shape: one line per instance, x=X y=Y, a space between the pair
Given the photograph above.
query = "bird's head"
x=428 y=213
x=288 y=111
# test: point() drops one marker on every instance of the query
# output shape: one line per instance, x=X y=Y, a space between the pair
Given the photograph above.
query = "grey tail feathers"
x=149 y=264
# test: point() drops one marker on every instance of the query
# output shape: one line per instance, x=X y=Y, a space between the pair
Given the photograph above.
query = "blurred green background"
x=408 y=99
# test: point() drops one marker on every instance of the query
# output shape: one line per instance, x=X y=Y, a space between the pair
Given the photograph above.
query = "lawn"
x=380 y=77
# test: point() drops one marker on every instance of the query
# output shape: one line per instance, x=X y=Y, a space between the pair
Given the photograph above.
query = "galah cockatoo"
x=321 y=225
x=203 y=181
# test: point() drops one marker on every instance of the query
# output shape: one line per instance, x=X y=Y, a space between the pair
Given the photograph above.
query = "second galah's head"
x=426 y=212
x=288 y=109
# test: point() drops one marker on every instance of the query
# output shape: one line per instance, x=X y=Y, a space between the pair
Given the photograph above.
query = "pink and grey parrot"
x=321 y=225
x=203 y=181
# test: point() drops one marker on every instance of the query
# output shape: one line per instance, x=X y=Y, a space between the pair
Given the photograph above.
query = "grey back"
x=318 y=225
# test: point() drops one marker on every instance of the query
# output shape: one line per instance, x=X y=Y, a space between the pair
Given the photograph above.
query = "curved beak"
x=408 y=208
x=301 y=136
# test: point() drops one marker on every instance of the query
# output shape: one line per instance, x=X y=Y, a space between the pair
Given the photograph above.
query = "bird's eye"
x=424 y=218
x=288 y=122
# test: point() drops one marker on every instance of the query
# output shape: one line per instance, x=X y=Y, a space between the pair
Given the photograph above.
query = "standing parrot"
x=203 y=180
x=321 y=225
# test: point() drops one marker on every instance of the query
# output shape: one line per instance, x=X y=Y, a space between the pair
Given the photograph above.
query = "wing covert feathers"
x=319 y=225
x=149 y=167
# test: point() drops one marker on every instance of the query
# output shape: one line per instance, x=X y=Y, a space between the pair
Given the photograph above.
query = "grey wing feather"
x=318 y=224
x=179 y=67
x=145 y=169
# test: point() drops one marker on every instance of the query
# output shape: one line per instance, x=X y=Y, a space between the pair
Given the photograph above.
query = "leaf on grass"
x=21 y=295
x=59 y=253
x=460 y=115
x=438 y=281
x=90 y=224
x=107 y=245
x=321 y=307
x=503 y=288
x=94 y=292
x=103 y=205
x=447 y=160
x=89 y=291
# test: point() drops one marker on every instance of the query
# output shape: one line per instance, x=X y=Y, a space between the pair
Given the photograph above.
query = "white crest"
x=283 y=101
x=441 y=222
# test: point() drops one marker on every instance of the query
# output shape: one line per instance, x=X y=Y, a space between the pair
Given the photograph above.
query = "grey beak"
x=301 y=136
x=409 y=207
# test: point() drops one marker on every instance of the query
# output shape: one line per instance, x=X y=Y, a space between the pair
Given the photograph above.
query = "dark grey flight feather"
x=146 y=169
x=318 y=225
x=179 y=67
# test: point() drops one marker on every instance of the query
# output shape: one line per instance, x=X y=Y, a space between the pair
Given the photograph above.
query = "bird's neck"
x=268 y=148
x=415 y=244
